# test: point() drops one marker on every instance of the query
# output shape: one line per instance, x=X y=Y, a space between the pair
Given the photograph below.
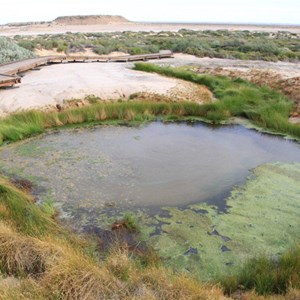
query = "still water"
x=150 y=166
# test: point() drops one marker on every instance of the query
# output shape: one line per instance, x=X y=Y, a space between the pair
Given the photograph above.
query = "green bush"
x=10 y=51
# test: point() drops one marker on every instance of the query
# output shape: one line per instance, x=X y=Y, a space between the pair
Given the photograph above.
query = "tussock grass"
x=268 y=275
x=263 y=106
x=18 y=254
x=17 y=208
x=76 y=276
x=46 y=263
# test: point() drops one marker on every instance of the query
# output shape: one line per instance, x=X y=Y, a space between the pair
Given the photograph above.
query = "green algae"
x=185 y=241
x=265 y=213
x=262 y=218
x=33 y=150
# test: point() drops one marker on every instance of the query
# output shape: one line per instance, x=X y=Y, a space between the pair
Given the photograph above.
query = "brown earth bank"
x=288 y=86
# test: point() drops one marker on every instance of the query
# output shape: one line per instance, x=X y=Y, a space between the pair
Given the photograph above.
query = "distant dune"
x=90 y=20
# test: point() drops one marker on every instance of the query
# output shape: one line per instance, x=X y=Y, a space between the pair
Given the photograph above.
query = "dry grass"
x=57 y=265
x=76 y=276
x=67 y=273
x=19 y=255
x=292 y=294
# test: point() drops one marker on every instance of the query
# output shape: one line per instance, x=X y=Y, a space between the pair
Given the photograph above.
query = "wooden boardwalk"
x=9 y=72
x=8 y=80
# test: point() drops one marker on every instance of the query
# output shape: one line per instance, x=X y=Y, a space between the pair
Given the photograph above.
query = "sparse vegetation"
x=220 y=43
x=10 y=51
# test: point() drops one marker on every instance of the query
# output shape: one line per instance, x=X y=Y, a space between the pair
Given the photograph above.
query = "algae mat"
x=262 y=218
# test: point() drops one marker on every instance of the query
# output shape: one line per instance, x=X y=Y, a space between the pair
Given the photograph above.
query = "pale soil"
x=52 y=85
x=52 y=28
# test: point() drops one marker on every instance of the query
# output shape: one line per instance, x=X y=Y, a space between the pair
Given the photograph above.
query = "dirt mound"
x=90 y=20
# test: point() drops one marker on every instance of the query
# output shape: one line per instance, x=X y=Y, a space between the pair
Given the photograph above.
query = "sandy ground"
x=156 y=27
x=52 y=85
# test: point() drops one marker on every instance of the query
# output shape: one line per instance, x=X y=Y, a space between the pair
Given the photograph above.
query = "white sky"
x=230 y=11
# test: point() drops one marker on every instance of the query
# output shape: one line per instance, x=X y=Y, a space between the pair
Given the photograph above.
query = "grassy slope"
x=42 y=261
